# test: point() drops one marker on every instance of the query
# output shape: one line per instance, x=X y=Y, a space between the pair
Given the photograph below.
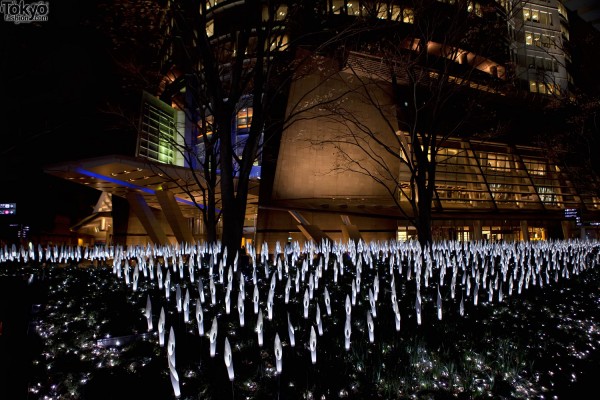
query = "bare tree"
x=220 y=64
x=427 y=77
x=235 y=70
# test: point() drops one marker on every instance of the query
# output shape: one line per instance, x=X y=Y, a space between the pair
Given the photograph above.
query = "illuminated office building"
x=485 y=189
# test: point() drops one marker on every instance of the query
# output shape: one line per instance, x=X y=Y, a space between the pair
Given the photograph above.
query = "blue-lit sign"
x=573 y=213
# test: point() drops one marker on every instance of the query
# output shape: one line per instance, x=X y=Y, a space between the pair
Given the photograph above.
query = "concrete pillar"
x=566 y=229
x=144 y=213
x=120 y=216
x=525 y=231
x=477 y=233
x=582 y=234
x=174 y=216
x=312 y=232
x=349 y=231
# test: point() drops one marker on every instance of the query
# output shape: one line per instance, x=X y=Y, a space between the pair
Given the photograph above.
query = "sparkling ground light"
x=91 y=338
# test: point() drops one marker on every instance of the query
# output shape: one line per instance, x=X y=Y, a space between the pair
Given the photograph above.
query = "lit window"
x=541 y=87
x=211 y=3
x=547 y=194
x=533 y=86
x=535 y=167
x=210 y=28
x=337 y=6
x=382 y=11
x=528 y=38
x=244 y=118
x=396 y=12
x=408 y=16
x=280 y=13
x=353 y=8
x=527 y=14
x=279 y=43
x=474 y=8
x=494 y=161
x=205 y=126
x=553 y=89
x=545 y=18
x=535 y=15
x=506 y=4
x=562 y=11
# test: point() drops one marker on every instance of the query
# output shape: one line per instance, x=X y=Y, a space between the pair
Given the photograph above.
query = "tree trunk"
x=210 y=221
x=233 y=229
x=424 y=223
x=233 y=197
x=423 y=205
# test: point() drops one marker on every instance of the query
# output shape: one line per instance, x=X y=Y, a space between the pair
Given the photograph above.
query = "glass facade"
x=498 y=176
x=240 y=129
x=159 y=138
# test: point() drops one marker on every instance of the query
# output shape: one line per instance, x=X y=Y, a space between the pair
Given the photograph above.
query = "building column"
x=143 y=211
x=349 y=231
x=566 y=229
x=310 y=232
x=477 y=233
x=582 y=234
x=120 y=217
x=174 y=216
x=525 y=231
x=314 y=233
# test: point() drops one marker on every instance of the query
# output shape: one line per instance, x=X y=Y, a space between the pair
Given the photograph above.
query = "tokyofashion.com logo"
x=21 y=12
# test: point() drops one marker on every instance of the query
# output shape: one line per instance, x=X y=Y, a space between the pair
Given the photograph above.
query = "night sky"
x=56 y=77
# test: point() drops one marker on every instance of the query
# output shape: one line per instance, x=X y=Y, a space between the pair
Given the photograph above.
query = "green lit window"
x=158 y=135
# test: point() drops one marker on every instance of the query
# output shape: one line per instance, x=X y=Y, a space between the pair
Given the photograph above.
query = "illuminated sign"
x=573 y=213
x=8 y=208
